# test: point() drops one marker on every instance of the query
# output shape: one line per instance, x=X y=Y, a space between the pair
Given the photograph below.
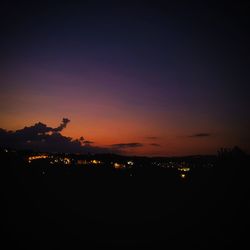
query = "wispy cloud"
x=151 y=137
x=127 y=145
x=88 y=142
x=200 y=135
x=155 y=144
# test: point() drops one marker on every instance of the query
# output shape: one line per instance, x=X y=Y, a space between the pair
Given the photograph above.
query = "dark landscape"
x=95 y=205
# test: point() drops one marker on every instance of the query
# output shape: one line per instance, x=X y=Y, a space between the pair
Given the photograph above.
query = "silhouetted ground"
x=55 y=208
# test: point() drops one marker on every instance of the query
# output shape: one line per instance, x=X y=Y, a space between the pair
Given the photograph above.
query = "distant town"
x=128 y=165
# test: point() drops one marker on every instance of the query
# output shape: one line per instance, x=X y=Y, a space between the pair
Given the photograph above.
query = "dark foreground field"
x=82 y=209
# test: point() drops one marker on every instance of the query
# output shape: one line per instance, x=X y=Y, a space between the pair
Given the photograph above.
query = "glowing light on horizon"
x=118 y=165
x=184 y=169
x=95 y=162
x=36 y=157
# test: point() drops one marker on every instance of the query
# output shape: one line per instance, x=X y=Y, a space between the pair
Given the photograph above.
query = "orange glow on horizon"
x=126 y=129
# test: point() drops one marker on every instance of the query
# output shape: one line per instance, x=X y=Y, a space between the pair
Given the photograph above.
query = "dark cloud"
x=127 y=145
x=63 y=125
x=40 y=137
x=88 y=142
x=155 y=144
x=151 y=137
x=200 y=135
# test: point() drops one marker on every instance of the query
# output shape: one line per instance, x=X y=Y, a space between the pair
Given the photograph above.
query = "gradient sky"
x=173 y=77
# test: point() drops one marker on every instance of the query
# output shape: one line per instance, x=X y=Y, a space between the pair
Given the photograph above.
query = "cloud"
x=63 y=125
x=155 y=144
x=40 y=137
x=87 y=142
x=200 y=135
x=127 y=145
x=151 y=137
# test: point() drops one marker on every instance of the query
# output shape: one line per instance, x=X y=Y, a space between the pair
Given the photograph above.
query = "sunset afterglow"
x=131 y=78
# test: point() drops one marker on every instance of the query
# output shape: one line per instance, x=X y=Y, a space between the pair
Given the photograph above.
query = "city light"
x=180 y=168
x=36 y=157
x=184 y=169
x=82 y=162
x=95 y=162
x=131 y=163
x=183 y=176
x=118 y=165
x=66 y=161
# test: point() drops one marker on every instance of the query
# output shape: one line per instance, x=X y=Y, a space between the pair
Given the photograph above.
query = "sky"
x=148 y=78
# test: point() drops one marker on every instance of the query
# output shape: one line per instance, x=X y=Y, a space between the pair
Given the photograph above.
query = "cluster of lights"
x=169 y=164
x=85 y=162
x=119 y=165
x=95 y=162
x=36 y=157
x=184 y=169
x=64 y=160
x=82 y=162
